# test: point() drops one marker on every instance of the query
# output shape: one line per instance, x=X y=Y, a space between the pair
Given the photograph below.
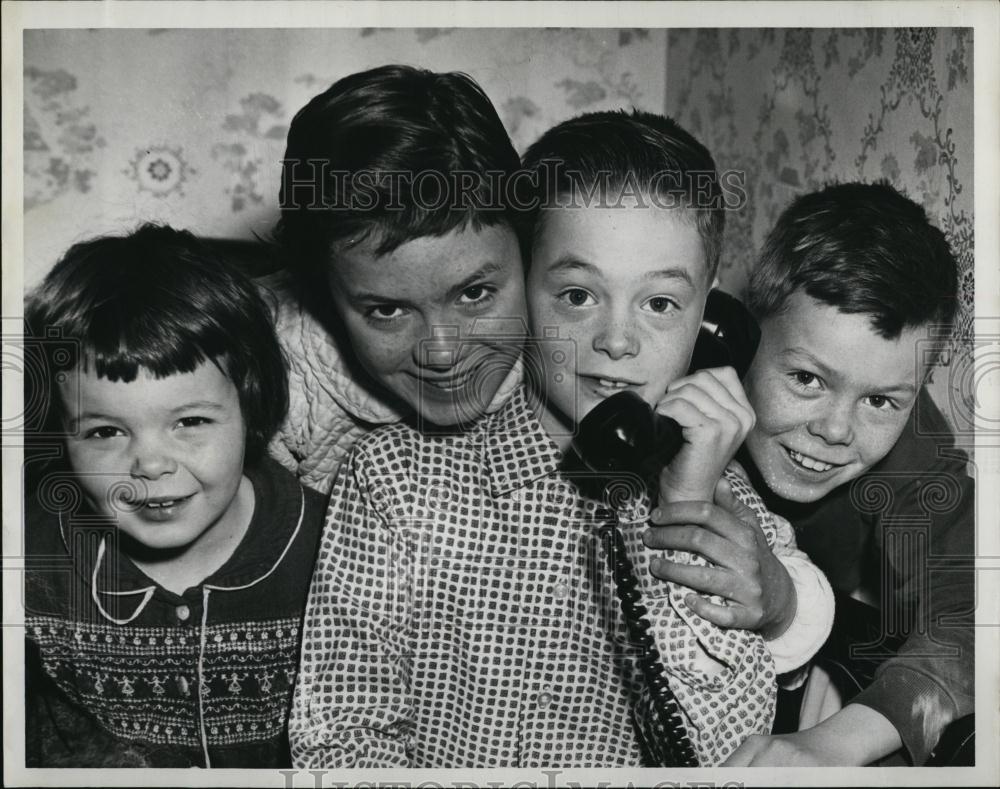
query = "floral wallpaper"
x=796 y=108
x=188 y=126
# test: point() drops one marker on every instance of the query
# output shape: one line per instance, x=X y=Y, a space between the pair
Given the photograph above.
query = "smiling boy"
x=848 y=284
x=462 y=612
x=633 y=325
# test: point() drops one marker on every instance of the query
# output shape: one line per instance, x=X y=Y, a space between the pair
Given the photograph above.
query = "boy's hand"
x=715 y=415
x=747 y=574
x=857 y=735
x=783 y=750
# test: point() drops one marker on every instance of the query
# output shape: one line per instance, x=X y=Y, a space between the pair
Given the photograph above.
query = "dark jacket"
x=906 y=532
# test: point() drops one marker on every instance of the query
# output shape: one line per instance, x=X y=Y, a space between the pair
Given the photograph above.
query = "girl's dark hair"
x=864 y=249
x=160 y=300
x=604 y=155
x=394 y=153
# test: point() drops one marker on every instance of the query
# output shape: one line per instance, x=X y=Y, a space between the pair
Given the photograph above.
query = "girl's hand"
x=715 y=416
x=747 y=574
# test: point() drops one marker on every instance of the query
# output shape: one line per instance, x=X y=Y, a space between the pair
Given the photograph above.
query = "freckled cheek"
x=561 y=391
x=779 y=411
x=541 y=315
x=478 y=329
x=574 y=331
x=383 y=355
x=666 y=355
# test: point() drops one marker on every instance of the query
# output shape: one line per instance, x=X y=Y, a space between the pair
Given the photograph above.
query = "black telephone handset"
x=623 y=434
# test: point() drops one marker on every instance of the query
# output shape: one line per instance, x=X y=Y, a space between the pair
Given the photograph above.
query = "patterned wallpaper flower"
x=192 y=129
x=797 y=108
x=60 y=137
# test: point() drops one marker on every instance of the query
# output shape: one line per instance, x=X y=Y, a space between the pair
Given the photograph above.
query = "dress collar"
x=92 y=543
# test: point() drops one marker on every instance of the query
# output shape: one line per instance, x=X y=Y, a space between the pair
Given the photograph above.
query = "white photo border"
x=982 y=16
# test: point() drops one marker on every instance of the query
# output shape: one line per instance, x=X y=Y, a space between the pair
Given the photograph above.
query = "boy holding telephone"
x=461 y=613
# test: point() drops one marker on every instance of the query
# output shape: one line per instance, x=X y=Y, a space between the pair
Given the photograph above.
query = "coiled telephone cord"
x=675 y=749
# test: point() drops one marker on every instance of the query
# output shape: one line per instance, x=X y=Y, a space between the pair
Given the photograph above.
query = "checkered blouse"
x=462 y=615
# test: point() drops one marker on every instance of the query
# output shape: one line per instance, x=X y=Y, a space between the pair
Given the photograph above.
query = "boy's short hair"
x=159 y=299
x=611 y=153
x=394 y=153
x=864 y=249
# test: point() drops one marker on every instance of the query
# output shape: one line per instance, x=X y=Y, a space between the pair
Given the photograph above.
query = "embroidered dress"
x=462 y=615
x=199 y=679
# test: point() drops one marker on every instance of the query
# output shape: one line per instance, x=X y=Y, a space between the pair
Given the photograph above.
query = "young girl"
x=169 y=559
x=376 y=268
